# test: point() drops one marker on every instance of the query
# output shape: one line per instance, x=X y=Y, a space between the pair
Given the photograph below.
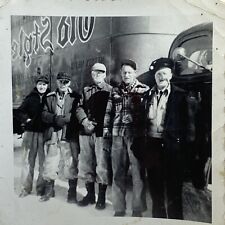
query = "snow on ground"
x=40 y=213
x=30 y=211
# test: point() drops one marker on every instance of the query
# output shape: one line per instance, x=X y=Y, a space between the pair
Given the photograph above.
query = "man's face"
x=128 y=74
x=163 y=77
x=63 y=84
x=41 y=87
x=98 y=76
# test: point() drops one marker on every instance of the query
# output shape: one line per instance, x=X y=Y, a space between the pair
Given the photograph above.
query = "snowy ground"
x=29 y=211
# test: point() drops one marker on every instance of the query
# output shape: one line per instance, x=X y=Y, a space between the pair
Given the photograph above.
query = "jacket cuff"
x=81 y=121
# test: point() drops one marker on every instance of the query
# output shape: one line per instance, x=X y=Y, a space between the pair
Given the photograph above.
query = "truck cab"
x=192 y=52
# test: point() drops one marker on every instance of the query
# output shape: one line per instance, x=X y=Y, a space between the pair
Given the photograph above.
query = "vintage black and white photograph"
x=112 y=116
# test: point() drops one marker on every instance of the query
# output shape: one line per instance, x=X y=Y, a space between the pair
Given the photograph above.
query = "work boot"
x=49 y=191
x=136 y=214
x=40 y=191
x=72 y=192
x=23 y=193
x=119 y=214
x=90 y=197
x=101 y=197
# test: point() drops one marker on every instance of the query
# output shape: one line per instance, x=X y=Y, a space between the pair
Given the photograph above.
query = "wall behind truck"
x=48 y=45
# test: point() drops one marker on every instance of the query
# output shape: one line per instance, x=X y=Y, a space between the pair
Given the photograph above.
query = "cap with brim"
x=42 y=78
x=129 y=62
x=63 y=76
x=98 y=67
x=161 y=63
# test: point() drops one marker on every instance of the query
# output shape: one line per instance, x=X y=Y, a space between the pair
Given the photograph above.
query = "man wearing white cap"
x=93 y=160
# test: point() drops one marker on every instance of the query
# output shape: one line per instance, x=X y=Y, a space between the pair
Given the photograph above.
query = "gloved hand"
x=28 y=120
x=26 y=124
x=127 y=119
x=107 y=134
x=89 y=126
x=60 y=121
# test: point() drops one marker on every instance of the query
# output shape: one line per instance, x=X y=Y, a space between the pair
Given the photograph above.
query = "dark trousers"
x=165 y=179
x=33 y=146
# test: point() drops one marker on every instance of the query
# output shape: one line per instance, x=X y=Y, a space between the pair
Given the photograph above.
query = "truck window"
x=198 y=49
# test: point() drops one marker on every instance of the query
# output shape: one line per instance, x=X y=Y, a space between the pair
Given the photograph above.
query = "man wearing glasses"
x=93 y=160
x=61 y=137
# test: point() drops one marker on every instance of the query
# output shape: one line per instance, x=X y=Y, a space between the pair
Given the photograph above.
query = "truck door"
x=192 y=52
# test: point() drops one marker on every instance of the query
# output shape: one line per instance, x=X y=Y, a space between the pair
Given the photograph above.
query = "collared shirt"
x=89 y=91
x=128 y=88
x=157 y=111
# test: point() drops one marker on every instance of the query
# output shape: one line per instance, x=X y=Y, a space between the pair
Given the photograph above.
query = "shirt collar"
x=164 y=91
x=129 y=87
x=100 y=86
x=68 y=91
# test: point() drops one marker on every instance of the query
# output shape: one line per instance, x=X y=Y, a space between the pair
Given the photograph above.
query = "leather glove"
x=60 y=121
x=28 y=120
x=107 y=134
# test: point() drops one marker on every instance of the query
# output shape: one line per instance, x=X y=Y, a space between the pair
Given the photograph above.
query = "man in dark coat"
x=29 y=114
x=94 y=160
x=61 y=137
x=166 y=130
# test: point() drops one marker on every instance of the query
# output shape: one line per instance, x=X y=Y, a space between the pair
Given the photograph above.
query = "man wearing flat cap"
x=93 y=160
x=61 y=137
x=29 y=114
x=120 y=125
x=166 y=118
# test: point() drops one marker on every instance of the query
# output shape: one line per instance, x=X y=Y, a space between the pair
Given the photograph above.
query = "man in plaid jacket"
x=120 y=124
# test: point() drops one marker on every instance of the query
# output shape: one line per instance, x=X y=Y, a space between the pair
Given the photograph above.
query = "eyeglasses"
x=64 y=81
